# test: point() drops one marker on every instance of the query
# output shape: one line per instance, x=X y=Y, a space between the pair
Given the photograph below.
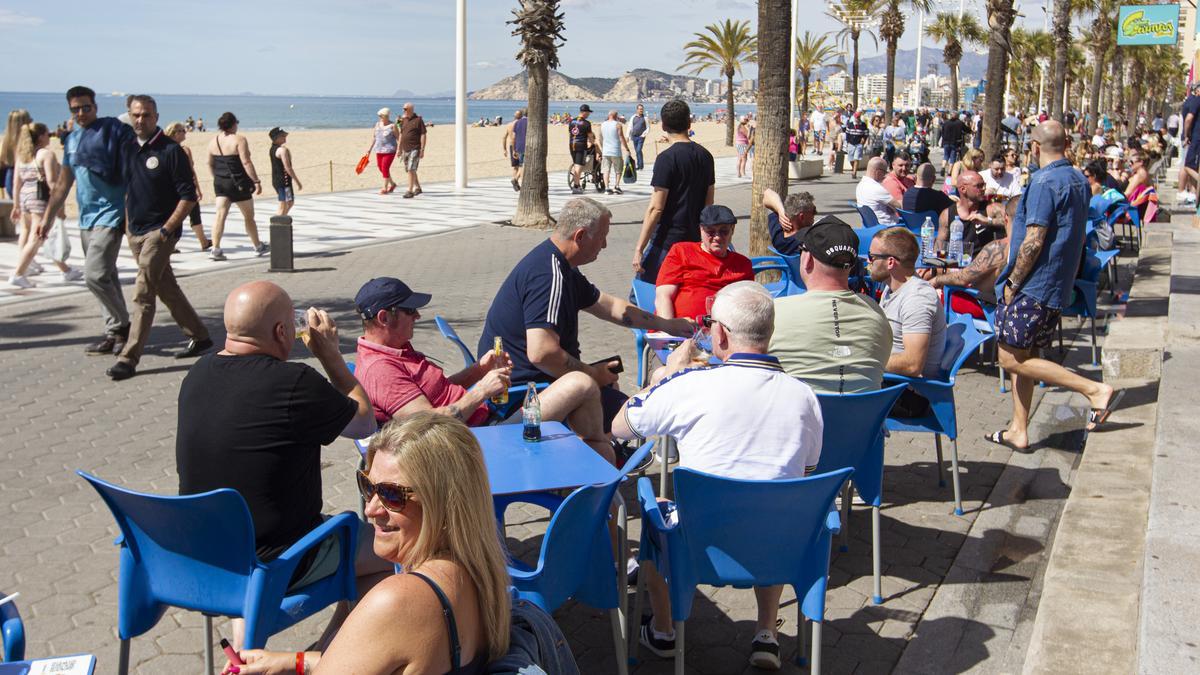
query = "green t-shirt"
x=836 y=342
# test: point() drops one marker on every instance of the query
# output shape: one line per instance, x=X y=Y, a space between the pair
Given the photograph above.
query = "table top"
x=80 y=664
x=560 y=460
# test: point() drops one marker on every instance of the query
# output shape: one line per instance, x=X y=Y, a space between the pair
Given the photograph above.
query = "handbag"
x=362 y=163
x=630 y=175
x=43 y=188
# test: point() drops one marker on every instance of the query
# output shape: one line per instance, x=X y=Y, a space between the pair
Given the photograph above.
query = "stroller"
x=591 y=173
x=918 y=148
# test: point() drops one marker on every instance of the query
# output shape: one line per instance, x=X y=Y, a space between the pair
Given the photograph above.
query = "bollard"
x=839 y=162
x=281 y=244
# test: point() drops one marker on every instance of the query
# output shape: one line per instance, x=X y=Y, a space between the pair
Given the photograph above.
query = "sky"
x=345 y=47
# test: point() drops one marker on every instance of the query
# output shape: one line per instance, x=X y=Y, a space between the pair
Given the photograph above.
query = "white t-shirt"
x=818 y=120
x=871 y=194
x=1006 y=185
x=745 y=419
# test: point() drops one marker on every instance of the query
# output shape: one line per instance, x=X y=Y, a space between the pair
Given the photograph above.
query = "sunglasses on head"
x=393 y=497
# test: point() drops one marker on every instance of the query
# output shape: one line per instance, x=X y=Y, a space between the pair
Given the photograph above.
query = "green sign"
x=1148 y=25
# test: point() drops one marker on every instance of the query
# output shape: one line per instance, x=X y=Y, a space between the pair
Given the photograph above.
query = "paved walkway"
x=338 y=221
x=62 y=413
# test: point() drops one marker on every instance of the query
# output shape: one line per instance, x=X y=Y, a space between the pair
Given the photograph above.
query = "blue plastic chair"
x=793 y=263
x=742 y=533
x=865 y=235
x=869 y=219
x=1085 y=294
x=197 y=552
x=962 y=338
x=14 y=632
x=643 y=296
x=985 y=325
x=914 y=220
x=853 y=439
x=516 y=393
x=786 y=285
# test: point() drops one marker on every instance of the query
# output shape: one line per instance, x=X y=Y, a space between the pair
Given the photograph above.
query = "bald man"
x=1043 y=256
x=871 y=193
x=981 y=223
x=252 y=421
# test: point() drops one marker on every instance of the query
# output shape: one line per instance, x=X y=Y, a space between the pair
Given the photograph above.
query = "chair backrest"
x=192 y=551
x=449 y=333
x=576 y=554
x=869 y=219
x=747 y=532
x=793 y=263
x=643 y=295
x=962 y=338
x=853 y=435
x=13 y=632
x=865 y=235
x=914 y=220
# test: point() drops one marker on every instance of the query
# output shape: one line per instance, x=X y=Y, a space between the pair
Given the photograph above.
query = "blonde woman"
x=972 y=160
x=234 y=182
x=177 y=132
x=427 y=494
x=385 y=145
x=17 y=119
x=35 y=162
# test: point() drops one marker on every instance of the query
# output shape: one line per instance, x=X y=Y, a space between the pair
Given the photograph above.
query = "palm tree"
x=812 y=53
x=1000 y=16
x=774 y=113
x=956 y=32
x=1028 y=48
x=1061 y=32
x=725 y=47
x=891 y=29
x=855 y=15
x=539 y=25
x=1101 y=37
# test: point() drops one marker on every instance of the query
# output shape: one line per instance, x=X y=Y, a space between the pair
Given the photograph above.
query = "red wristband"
x=299 y=663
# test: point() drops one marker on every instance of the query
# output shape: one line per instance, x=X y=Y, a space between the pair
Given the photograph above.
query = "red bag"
x=362 y=163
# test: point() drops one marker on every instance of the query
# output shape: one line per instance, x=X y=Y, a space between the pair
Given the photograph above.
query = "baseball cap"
x=386 y=292
x=384 y=112
x=584 y=108
x=276 y=133
x=716 y=214
x=831 y=241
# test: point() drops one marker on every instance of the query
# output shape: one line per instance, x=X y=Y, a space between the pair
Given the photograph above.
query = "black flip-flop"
x=997 y=437
x=1098 y=416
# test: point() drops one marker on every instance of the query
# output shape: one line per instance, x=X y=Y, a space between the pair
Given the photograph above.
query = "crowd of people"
x=428 y=506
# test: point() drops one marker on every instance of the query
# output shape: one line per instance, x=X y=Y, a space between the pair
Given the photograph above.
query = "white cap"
x=384 y=112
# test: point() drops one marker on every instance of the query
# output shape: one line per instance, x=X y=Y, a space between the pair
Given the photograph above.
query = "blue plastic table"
x=560 y=460
x=79 y=664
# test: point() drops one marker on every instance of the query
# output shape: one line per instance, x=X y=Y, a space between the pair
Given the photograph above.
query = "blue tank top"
x=519 y=134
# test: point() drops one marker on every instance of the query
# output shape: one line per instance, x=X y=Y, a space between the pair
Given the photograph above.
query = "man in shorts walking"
x=856 y=140
x=412 y=147
x=581 y=143
x=1046 y=244
x=283 y=176
x=612 y=139
x=513 y=145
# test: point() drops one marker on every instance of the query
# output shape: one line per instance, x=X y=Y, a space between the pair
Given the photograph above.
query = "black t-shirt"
x=580 y=130
x=256 y=424
x=685 y=170
x=919 y=199
x=542 y=291
x=952 y=132
x=781 y=242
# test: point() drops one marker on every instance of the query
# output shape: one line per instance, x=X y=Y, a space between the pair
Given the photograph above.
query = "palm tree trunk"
x=774 y=90
x=804 y=85
x=1000 y=20
x=533 y=204
x=1118 y=75
x=729 y=109
x=1096 y=86
x=854 y=78
x=890 y=88
x=1062 y=43
x=953 y=86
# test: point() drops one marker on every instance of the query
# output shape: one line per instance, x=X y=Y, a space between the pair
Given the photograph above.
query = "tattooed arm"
x=1027 y=255
x=624 y=313
x=983 y=267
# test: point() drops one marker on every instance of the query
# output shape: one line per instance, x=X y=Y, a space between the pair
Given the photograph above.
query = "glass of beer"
x=300 y=319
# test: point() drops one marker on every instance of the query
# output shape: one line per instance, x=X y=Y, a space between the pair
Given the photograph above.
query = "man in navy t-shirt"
x=683 y=182
x=536 y=310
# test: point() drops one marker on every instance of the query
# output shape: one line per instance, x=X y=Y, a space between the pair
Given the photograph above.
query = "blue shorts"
x=854 y=152
x=1192 y=159
x=285 y=194
x=950 y=153
x=1026 y=323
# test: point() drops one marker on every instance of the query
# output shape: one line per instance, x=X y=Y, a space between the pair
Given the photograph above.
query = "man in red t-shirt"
x=692 y=272
x=897 y=182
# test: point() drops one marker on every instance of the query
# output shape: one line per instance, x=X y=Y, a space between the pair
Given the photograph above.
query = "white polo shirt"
x=745 y=419
x=871 y=194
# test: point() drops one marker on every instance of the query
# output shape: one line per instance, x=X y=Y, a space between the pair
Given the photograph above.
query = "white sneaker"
x=21 y=281
x=216 y=253
x=34 y=269
x=72 y=274
x=1187 y=198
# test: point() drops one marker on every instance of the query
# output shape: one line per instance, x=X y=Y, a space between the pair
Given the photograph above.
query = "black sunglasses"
x=872 y=257
x=707 y=320
x=82 y=108
x=393 y=497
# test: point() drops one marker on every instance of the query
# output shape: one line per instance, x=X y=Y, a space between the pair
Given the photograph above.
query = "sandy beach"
x=313 y=151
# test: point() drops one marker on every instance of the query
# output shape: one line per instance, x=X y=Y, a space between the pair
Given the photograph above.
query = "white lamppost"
x=460 y=96
x=792 y=68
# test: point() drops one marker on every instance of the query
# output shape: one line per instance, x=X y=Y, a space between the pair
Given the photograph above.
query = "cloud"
x=11 y=18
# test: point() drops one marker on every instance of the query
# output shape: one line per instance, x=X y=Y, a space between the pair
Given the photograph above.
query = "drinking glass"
x=300 y=319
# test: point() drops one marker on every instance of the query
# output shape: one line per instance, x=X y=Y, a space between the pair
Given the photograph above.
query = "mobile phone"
x=617 y=369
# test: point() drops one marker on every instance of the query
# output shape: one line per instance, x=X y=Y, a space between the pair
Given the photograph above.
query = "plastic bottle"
x=955 y=250
x=531 y=415
x=927 y=239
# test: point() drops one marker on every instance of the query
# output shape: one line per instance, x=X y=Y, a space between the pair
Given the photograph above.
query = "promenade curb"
x=1133 y=347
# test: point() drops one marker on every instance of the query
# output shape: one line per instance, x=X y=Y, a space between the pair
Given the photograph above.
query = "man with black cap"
x=401 y=381
x=833 y=339
x=581 y=144
x=283 y=176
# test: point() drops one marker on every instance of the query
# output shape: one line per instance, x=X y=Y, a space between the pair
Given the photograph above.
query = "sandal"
x=997 y=437
x=1098 y=416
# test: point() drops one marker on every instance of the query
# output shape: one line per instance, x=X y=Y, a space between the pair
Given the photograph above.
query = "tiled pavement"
x=62 y=414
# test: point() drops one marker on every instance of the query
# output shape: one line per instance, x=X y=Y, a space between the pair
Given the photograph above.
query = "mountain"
x=635 y=85
x=403 y=93
x=972 y=66
x=516 y=88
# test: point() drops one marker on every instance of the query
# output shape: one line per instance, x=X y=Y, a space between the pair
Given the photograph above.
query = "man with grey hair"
x=612 y=139
x=747 y=419
x=787 y=217
x=536 y=310
x=871 y=193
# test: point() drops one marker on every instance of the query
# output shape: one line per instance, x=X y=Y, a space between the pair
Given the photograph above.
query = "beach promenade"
x=960 y=593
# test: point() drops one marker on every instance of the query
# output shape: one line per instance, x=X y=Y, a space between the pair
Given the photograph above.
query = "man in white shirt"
x=1000 y=182
x=746 y=419
x=818 y=129
x=873 y=195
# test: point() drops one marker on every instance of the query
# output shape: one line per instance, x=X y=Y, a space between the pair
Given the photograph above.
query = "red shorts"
x=384 y=161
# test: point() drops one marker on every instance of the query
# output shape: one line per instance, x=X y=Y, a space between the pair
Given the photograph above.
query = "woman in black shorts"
x=234 y=181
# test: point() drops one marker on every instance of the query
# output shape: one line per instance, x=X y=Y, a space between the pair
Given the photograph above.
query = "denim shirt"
x=1057 y=199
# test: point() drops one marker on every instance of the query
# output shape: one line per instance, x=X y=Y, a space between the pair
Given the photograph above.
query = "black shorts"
x=581 y=157
x=1192 y=159
x=232 y=189
x=516 y=158
x=1026 y=323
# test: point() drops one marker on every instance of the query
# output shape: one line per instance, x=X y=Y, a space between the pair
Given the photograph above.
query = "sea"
x=310 y=112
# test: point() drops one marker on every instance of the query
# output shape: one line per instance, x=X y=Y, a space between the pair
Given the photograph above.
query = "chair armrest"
x=897 y=378
x=637 y=457
x=344 y=524
x=652 y=516
x=833 y=521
